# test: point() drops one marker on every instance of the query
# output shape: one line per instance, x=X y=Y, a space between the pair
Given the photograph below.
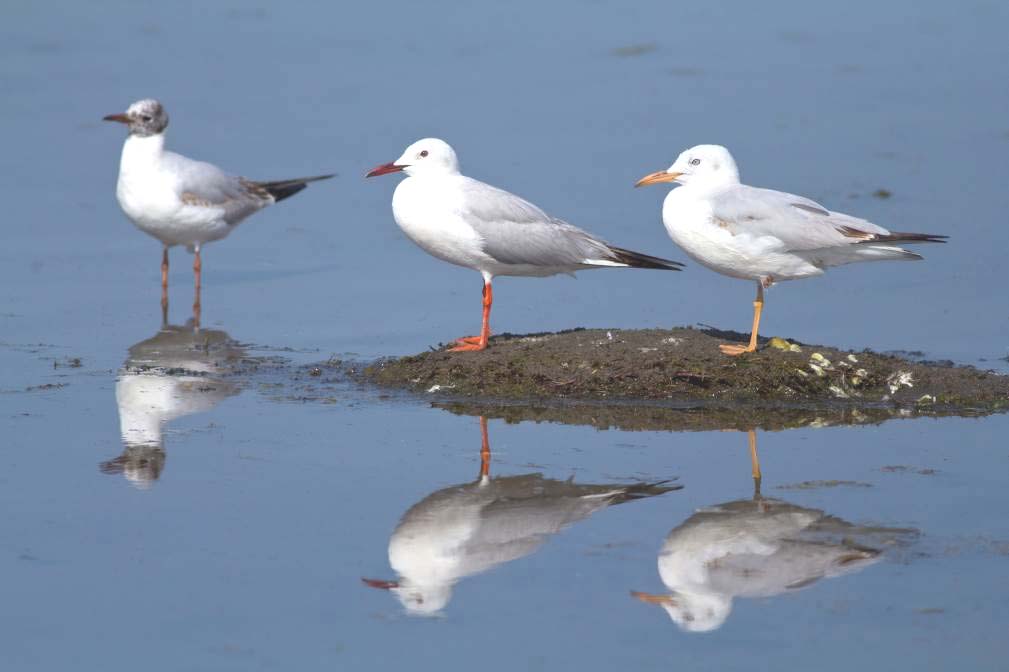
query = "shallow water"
x=224 y=516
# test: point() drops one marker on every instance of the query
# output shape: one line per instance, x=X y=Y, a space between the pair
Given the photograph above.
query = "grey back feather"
x=799 y=223
x=201 y=183
x=514 y=231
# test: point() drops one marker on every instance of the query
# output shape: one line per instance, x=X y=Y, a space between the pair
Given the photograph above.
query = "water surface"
x=222 y=517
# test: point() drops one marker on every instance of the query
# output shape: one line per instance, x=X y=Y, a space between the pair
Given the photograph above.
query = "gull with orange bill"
x=469 y=223
x=760 y=234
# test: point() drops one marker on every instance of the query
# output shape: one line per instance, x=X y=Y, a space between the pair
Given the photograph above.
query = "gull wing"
x=202 y=184
x=790 y=223
x=514 y=231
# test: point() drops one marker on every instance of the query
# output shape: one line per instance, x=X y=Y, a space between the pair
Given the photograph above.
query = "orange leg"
x=164 y=286
x=754 y=462
x=197 y=268
x=758 y=305
x=484 y=450
x=470 y=343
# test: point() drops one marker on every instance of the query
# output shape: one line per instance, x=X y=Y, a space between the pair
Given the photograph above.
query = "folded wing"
x=790 y=223
x=514 y=231
x=202 y=184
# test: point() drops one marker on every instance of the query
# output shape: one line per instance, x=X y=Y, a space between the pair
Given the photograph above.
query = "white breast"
x=145 y=196
x=149 y=195
x=690 y=224
x=428 y=209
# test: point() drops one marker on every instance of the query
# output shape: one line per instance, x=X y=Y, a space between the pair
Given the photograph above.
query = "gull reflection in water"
x=175 y=373
x=471 y=528
x=759 y=547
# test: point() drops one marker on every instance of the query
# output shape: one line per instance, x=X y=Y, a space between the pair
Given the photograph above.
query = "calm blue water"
x=248 y=549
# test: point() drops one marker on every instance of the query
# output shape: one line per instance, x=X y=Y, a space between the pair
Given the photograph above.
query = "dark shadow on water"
x=468 y=529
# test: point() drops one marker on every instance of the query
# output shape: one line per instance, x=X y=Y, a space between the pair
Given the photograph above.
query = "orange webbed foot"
x=736 y=350
x=469 y=347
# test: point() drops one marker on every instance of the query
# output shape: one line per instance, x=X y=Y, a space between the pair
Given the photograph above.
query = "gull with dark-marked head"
x=180 y=201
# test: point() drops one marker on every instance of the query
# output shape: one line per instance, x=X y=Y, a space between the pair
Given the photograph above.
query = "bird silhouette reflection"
x=177 y=372
x=465 y=530
x=757 y=547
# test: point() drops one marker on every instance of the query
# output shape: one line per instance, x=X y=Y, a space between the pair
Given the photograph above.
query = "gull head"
x=704 y=164
x=144 y=118
x=141 y=464
x=429 y=156
x=692 y=612
x=418 y=599
x=422 y=600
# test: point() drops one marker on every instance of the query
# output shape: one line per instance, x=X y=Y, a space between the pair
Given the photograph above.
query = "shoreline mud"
x=684 y=366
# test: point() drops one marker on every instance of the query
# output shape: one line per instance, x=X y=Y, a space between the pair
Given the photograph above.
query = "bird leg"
x=470 y=343
x=758 y=305
x=754 y=463
x=653 y=598
x=484 y=450
x=164 y=286
x=197 y=268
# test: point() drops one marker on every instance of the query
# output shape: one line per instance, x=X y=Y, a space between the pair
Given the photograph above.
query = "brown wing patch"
x=256 y=189
x=722 y=224
x=190 y=198
x=857 y=234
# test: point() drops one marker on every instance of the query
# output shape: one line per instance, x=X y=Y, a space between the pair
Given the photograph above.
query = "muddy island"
x=685 y=365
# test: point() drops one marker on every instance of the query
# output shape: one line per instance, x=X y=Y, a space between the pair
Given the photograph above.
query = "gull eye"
x=423 y=153
x=145 y=118
x=694 y=162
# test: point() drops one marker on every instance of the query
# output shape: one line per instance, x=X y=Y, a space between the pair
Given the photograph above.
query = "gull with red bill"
x=760 y=234
x=180 y=201
x=468 y=529
x=472 y=224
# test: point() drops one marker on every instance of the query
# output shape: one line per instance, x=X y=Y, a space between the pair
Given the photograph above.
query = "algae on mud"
x=684 y=364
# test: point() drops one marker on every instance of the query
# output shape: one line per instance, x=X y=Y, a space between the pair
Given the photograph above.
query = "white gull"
x=761 y=234
x=469 y=223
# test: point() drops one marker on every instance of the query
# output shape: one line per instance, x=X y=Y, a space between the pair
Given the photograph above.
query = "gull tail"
x=901 y=237
x=638 y=260
x=860 y=237
x=281 y=189
x=635 y=491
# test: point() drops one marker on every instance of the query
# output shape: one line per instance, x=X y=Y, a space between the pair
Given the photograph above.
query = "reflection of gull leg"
x=484 y=450
x=758 y=305
x=754 y=462
x=653 y=598
x=479 y=342
x=164 y=286
x=197 y=268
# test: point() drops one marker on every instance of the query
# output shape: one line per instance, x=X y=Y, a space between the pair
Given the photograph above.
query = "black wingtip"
x=281 y=189
x=901 y=237
x=638 y=260
x=644 y=490
x=279 y=193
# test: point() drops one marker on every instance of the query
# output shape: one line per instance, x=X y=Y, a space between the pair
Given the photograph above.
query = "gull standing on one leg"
x=761 y=234
x=468 y=223
x=180 y=201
